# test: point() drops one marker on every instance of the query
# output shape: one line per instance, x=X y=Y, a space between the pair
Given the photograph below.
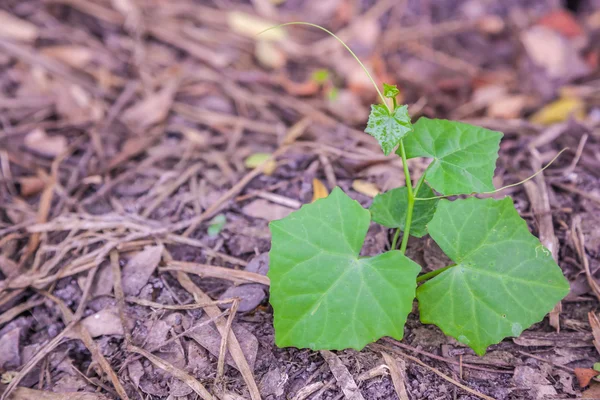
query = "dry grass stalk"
x=229 y=274
x=234 y=346
x=224 y=339
x=342 y=376
x=398 y=375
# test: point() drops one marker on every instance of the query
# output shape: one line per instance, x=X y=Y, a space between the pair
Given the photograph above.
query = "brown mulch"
x=145 y=145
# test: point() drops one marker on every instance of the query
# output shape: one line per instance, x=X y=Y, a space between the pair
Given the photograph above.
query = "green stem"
x=411 y=199
x=395 y=240
x=395 y=102
x=433 y=274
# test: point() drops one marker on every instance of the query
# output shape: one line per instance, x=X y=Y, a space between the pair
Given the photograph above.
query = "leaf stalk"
x=433 y=274
x=411 y=199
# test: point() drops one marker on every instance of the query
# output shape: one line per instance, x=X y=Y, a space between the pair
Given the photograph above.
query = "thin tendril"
x=503 y=187
x=343 y=44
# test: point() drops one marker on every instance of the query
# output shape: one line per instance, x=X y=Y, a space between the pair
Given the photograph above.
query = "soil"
x=127 y=127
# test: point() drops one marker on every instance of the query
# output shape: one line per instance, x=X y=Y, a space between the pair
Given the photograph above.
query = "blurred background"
x=167 y=134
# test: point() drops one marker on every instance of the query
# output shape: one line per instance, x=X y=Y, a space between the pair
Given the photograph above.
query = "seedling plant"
x=501 y=279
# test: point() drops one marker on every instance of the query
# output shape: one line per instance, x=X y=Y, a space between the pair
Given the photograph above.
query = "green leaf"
x=389 y=209
x=464 y=156
x=216 y=225
x=323 y=295
x=504 y=279
x=597 y=367
x=390 y=91
x=388 y=128
x=320 y=76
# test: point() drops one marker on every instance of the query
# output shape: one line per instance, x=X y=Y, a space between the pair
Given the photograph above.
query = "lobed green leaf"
x=390 y=91
x=389 y=209
x=464 y=156
x=323 y=295
x=504 y=279
x=388 y=128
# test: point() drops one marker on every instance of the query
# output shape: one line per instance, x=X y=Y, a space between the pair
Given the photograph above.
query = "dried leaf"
x=9 y=349
x=30 y=185
x=268 y=55
x=257 y=159
x=15 y=28
x=104 y=322
x=264 y=209
x=209 y=338
x=153 y=109
x=366 y=188
x=250 y=26
x=38 y=141
x=74 y=56
x=563 y=22
x=507 y=107
x=319 y=190
x=553 y=52
x=139 y=269
x=559 y=111
x=585 y=375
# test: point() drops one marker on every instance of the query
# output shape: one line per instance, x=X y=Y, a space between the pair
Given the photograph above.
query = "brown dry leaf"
x=319 y=190
x=153 y=109
x=30 y=185
x=15 y=28
x=38 y=141
x=563 y=22
x=507 y=107
x=559 y=111
x=9 y=350
x=488 y=94
x=208 y=337
x=264 y=209
x=140 y=268
x=77 y=105
x=268 y=55
x=585 y=375
x=104 y=322
x=250 y=26
x=366 y=188
x=74 y=56
x=553 y=52
x=10 y=268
